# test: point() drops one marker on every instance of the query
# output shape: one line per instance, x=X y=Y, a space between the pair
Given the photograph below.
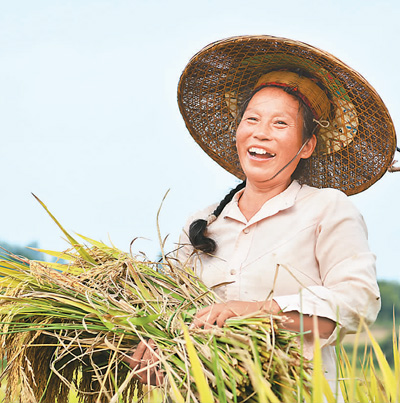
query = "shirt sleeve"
x=349 y=289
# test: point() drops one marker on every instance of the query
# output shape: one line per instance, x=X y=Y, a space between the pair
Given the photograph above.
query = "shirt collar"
x=282 y=201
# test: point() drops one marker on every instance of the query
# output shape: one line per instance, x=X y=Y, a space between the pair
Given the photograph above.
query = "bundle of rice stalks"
x=69 y=325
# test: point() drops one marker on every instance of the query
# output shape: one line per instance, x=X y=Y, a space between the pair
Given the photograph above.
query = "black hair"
x=198 y=228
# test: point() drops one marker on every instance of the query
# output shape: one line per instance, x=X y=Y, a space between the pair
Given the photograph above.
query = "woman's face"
x=269 y=136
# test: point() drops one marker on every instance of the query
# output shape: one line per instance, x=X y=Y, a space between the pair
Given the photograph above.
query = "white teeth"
x=257 y=150
x=260 y=151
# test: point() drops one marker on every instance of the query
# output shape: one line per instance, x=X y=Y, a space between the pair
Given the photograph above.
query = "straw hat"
x=354 y=148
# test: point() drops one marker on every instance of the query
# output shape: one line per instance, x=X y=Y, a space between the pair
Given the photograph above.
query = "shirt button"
x=246 y=230
x=233 y=272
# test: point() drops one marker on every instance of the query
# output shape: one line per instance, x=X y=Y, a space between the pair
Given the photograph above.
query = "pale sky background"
x=90 y=124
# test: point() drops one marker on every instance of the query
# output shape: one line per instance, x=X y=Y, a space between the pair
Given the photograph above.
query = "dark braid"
x=198 y=227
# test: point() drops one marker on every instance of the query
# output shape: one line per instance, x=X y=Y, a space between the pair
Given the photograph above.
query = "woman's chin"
x=267 y=179
x=259 y=174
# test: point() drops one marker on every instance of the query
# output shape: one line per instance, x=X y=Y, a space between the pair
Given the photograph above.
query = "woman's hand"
x=145 y=361
x=219 y=313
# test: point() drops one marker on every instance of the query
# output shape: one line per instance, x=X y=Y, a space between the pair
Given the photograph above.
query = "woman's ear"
x=309 y=147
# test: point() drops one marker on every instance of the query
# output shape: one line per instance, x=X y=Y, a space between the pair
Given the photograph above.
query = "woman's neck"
x=254 y=197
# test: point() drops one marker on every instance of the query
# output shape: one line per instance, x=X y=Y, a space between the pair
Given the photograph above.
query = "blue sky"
x=90 y=124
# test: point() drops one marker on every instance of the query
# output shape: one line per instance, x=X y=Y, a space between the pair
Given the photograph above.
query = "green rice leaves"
x=79 y=319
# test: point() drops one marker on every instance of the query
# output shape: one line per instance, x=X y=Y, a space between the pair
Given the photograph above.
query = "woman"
x=301 y=128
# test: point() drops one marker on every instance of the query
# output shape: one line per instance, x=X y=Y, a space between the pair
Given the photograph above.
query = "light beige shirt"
x=306 y=247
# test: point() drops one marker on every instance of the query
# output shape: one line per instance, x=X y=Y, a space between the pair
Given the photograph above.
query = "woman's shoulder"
x=322 y=193
x=325 y=198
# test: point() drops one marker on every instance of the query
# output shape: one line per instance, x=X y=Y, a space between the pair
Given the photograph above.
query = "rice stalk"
x=74 y=325
x=69 y=325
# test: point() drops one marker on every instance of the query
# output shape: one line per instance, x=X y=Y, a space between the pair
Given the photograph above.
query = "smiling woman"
x=269 y=141
x=287 y=240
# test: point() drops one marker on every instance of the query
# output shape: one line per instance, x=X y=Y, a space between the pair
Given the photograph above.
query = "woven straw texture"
x=351 y=154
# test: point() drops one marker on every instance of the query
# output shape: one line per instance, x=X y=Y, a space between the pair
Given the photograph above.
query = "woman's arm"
x=217 y=314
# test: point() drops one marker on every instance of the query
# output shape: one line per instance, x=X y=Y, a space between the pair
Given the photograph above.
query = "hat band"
x=306 y=89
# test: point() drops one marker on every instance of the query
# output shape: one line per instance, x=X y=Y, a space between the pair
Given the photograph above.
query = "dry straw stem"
x=67 y=325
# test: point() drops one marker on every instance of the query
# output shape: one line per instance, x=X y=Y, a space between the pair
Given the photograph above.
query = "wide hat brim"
x=352 y=154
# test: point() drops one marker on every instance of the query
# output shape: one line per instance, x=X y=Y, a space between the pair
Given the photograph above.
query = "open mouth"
x=260 y=153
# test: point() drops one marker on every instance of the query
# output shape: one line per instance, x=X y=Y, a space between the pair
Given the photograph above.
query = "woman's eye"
x=252 y=118
x=281 y=122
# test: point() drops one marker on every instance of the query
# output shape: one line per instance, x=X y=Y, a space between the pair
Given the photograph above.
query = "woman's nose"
x=262 y=132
